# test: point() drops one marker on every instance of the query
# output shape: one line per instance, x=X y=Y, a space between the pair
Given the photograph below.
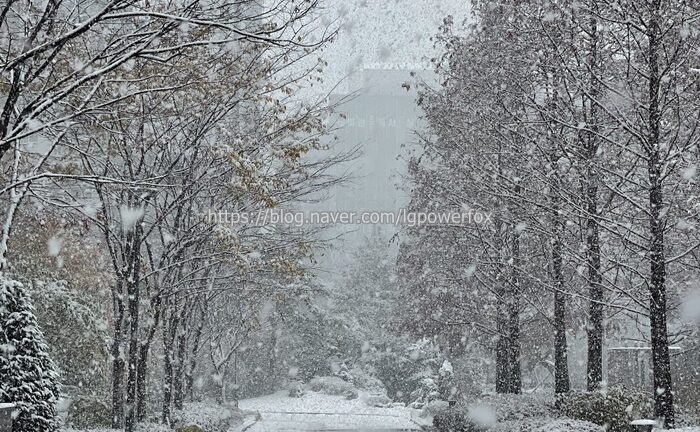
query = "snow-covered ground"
x=316 y=411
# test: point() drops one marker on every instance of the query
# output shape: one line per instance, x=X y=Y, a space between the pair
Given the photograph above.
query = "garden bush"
x=547 y=425
x=509 y=407
x=333 y=386
x=208 y=417
x=295 y=389
x=431 y=409
x=454 y=420
x=613 y=408
x=380 y=401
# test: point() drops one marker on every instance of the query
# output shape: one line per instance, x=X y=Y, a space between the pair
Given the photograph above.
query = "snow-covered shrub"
x=568 y=425
x=527 y=425
x=27 y=374
x=209 y=417
x=377 y=400
x=686 y=379
x=455 y=420
x=192 y=428
x=403 y=366
x=481 y=415
x=296 y=389
x=431 y=409
x=446 y=381
x=470 y=376
x=686 y=417
x=87 y=412
x=614 y=407
x=366 y=380
x=333 y=386
x=426 y=392
x=509 y=407
x=342 y=371
x=546 y=425
x=153 y=427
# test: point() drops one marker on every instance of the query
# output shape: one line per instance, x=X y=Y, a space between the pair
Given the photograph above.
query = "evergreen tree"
x=27 y=374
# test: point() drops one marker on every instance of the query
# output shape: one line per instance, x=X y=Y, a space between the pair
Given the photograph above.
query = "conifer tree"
x=27 y=374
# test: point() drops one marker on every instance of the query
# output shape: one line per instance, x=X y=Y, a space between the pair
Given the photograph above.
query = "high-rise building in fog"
x=381 y=118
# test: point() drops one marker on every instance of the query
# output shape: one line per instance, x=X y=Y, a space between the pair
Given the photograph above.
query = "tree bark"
x=663 y=389
x=178 y=387
x=595 y=330
x=117 y=354
x=514 y=374
x=169 y=333
x=502 y=357
x=189 y=378
x=561 y=366
x=141 y=376
x=133 y=291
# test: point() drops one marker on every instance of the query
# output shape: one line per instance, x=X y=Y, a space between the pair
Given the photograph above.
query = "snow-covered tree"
x=27 y=374
x=571 y=123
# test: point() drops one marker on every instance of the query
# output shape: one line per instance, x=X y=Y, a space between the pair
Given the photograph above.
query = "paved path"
x=317 y=412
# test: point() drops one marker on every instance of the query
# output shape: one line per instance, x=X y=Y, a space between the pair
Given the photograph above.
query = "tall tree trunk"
x=221 y=382
x=502 y=350
x=178 y=387
x=514 y=375
x=169 y=333
x=272 y=359
x=595 y=330
x=117 y=353
x=133 y=291
x=502 y=357
x=663 y=389
x=142 y=373
x=594 y=373
x=189 y=376
x=561 y=366
x=561 y=363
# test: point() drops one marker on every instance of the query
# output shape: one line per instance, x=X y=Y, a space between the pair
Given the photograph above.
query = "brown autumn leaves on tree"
x=138 y=118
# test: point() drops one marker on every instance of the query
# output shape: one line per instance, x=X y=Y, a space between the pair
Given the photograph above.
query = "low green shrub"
x=612 y=408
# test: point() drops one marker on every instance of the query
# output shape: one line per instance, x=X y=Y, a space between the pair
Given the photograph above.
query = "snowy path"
x=318 y=412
